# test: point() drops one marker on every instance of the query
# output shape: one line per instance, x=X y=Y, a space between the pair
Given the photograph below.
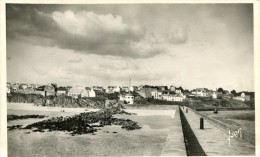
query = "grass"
x=237 y=118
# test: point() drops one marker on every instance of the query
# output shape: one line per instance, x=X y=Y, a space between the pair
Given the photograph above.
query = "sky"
x=188 y=45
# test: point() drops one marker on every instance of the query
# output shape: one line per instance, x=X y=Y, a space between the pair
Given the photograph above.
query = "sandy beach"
x=149 y=140
x=32 y=107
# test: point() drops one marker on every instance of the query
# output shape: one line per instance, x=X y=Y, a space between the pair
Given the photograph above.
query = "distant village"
x=126 y=93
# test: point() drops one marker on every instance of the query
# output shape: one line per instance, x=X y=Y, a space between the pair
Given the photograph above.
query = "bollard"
x=216 y=111
x=201 y=123
x=186 y=110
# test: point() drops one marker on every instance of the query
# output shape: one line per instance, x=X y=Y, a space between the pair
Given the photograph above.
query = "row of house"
x=162 y=93
x=118 y=89
x=170 y=93
x=204 y=92
x=53 y=89
x=242 y=97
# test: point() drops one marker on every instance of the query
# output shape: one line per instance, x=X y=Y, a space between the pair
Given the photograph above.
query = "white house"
x=178 y=97
x=133 y=88
x=61 y=91
x=117 y=89
x=78 y=92
x=8 y=89
x=156 y=94
x=214 y=95
x=113 y=89
x=172 y=88
x=91 y=93
x=243 y=97
x=173 y=97
x=201 y=92
x=23 y=86
x=129 y=98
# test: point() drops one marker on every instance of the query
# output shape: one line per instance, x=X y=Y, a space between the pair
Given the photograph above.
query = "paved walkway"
x=174 y=145
x=213 y=139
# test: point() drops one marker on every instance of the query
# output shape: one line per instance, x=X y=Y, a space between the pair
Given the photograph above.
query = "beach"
x=108 y=141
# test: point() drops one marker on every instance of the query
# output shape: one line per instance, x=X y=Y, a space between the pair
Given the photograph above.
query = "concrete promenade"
x=214 y=140
x=174 y=145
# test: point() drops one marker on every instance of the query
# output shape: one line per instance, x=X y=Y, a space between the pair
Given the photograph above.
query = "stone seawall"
x=174 y=145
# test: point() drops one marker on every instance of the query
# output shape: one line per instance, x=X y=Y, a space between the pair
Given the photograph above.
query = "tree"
x=181 y=88
x=233 y=92
x=186 y=91
x=220 y=90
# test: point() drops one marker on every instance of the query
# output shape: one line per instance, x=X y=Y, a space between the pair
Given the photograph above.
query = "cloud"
x=178 y=36
x=114 y=71
x=89 y=23
x=116 y=66
x=120 y=71
x=86 y=32
x=75 y=60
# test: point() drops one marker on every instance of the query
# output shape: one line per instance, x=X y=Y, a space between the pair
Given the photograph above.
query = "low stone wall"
x=244 y=134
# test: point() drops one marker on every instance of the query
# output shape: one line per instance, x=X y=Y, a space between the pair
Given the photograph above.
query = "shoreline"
x=32 y=107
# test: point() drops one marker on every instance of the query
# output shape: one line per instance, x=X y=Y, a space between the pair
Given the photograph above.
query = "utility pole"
x=129 y=81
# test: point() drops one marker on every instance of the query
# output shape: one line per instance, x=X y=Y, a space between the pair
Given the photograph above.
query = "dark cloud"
x=84 y=32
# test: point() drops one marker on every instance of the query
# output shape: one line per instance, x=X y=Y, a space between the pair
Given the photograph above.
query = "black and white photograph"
x=129 y=79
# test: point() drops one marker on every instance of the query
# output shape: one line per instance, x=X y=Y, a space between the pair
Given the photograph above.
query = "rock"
x=84 y=123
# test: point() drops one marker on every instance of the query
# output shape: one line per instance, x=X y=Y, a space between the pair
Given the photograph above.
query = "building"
x=113 y=89
x=172 y=88
x=8 y=89
x=139 y=88
x=34 y=86
x=201 y=92
x=161 y=88
x=157 y=94
x=133 y=88
x=91 y=93
x=178 y=90
x=146 y=91
x=99 y=93
x=214 y=95
x=97 y=88
x=78 y=92
x=125 y=89
x=243 y=97
x=178 y=97
x=128 y=98
x=174 y=97
x=46 y=90
x=23 y=86
x=26 y=91
x=62 y=91
x=14 y=88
